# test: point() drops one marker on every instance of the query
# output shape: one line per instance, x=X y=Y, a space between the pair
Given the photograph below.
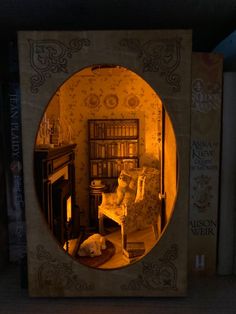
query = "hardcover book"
x=134 y=249
x=227 y=226
x=205 y=161
x=131 y=260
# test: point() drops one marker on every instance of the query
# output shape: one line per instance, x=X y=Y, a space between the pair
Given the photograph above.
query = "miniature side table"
x=95 y=199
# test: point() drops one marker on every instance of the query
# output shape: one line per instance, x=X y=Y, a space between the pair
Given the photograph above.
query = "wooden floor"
x=114 y=235
x=118 y=260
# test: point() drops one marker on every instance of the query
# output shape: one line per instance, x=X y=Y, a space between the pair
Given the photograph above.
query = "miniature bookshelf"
x=113 y=146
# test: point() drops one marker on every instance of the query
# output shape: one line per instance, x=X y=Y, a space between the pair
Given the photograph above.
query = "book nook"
x=106 y=146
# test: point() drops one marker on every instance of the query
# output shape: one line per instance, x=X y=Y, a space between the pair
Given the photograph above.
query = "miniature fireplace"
x=47 y=61
x=61 y=201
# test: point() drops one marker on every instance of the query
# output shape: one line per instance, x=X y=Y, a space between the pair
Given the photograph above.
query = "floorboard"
x=114 y=235
x=118 y=259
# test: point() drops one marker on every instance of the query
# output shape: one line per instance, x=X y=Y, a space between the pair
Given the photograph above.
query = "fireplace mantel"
x=51 y=165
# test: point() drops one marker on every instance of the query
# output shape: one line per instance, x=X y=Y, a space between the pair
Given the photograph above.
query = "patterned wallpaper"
x=108 y=94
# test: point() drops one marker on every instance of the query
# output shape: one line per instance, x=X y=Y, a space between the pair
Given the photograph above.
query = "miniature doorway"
x=162 y=59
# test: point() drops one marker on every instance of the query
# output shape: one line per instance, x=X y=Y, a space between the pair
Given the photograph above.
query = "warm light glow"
x=68 y=209
x=113 y=92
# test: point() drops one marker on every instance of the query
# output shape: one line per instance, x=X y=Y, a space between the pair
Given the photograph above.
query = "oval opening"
x=106 y=167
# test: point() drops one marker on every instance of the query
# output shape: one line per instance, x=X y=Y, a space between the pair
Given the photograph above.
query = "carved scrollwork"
x=161 y=275
x=51 y=56
x=54 y=274
x=160 y=55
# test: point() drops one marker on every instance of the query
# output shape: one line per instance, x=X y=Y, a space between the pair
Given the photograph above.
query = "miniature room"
x=117 y=161
x=106 y=127
x=105 y=151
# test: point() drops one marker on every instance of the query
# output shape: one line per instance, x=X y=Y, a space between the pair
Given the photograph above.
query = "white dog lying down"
x=92 y=246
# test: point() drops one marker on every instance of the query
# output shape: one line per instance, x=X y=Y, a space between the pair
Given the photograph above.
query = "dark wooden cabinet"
x=55 y=186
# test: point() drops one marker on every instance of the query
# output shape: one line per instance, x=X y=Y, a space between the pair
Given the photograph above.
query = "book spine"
x=94 y=169
x=227 y=228
x=3 y=203
x=205 y=161
x=15 y=190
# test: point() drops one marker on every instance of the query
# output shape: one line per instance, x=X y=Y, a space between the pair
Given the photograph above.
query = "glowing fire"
x=68 y=209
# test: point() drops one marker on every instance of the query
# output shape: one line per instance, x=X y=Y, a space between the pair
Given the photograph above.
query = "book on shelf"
x=111 y=168
x=113 y=146
x=206 y=109
x=116 y=149
x=113 y=150
x=94 y=169
x=227 y=223
x=12 y=149
x=134 y=249
x=102 y=151
x=108 y=131
x=104 y=169
x=114 y=129
x=132 y=149
x=100 y=168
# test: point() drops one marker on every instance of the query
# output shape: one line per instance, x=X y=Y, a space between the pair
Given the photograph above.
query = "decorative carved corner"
x=51 y=56
x=55 y=275
x=160 y=55
x=161 y=275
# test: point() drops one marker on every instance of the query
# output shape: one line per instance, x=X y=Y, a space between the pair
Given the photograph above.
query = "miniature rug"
x=98 y=260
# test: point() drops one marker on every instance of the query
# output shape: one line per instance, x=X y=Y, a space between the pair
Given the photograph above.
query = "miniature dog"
x=92 y=246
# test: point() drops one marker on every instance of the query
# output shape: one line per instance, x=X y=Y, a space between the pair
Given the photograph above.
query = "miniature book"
x=134 y=249
x=131 y=260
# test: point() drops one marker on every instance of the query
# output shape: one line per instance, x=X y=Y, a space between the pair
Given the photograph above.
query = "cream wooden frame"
x=51 y=272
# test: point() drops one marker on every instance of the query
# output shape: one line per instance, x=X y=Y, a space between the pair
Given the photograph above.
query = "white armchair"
x=140 y=205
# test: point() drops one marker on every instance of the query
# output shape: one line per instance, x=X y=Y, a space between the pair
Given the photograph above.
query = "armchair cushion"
x=140 y=188
x=123 y=186
x=129 y=196
x=108 y=199
x=127 y=186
